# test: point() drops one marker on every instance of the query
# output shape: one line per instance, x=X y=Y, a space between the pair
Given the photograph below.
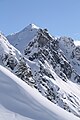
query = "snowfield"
x=18 y=101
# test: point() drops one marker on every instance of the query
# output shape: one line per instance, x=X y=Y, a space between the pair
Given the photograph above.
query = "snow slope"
x=18 y=101
x=7 y=51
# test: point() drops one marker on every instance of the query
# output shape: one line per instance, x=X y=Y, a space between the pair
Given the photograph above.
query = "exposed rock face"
x=45 y=48
x=45 y=51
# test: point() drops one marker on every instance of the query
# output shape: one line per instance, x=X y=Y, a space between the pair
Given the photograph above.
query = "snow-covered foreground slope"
x=18 y=101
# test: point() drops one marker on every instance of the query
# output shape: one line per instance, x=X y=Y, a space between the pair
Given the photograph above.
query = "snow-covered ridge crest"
x=5 y=46
x=32 y=26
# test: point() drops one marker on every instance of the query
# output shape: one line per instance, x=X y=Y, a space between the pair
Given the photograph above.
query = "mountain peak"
x=23 y=37
x=31 y=26
x=34 y=26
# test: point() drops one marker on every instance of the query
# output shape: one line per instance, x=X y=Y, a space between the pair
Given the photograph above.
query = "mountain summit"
x=22 y=38
x=32 y=26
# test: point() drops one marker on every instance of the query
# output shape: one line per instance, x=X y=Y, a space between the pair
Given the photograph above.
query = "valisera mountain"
x=47 y=64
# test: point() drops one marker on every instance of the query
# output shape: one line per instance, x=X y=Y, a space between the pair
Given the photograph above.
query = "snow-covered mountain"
x=49 y=65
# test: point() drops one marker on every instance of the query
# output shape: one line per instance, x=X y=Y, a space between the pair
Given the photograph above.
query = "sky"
x=60 y=17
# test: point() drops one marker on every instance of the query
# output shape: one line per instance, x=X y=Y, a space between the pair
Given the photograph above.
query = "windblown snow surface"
x=18 y=101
